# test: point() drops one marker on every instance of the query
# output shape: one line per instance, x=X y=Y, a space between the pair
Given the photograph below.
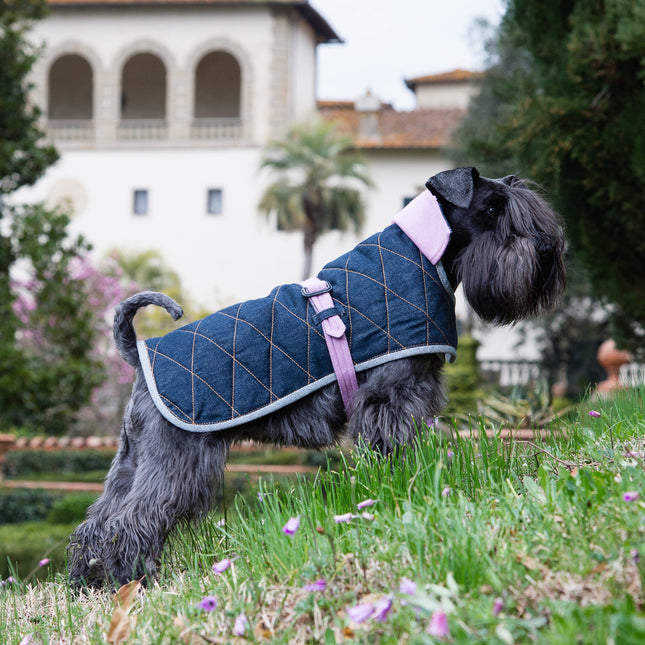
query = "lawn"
x=464 y=540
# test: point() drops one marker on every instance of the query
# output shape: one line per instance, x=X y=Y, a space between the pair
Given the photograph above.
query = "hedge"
x=33 y=505
x=25 y=504
x=22 y=464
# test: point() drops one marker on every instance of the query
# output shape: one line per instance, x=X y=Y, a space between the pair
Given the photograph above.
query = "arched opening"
x=70 y=85
x=218 y=81
x=143 y=88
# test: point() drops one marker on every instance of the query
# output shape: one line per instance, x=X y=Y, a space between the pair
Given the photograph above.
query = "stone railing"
x=632 y=374
x=510 y=373
x=142 y=130
x=71 y=130
x=77 y=132
x=216 y=129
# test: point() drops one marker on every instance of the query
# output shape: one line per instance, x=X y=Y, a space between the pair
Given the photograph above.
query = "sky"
x=387 y=41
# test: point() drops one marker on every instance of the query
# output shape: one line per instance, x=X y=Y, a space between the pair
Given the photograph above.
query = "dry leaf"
x=261 y=632
x=348 y=632
x=126 y=594
x=119 y=627
x=529 y=562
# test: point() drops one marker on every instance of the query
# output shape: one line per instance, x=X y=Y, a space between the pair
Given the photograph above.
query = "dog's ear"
x=455 y=186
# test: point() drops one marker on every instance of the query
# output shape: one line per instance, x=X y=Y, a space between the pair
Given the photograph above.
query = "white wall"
x=220 y=258
x=302 y=66
x=445 y=95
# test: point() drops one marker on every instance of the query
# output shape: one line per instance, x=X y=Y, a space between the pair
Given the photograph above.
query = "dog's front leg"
x=395 y=399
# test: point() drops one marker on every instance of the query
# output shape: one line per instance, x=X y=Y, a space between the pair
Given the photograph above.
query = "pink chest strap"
x=318 y=292
x=423 y=222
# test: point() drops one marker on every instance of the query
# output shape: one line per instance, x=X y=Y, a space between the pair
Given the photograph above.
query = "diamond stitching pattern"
x=236 y=362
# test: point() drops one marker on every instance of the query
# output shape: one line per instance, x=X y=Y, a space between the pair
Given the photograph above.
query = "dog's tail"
x=124 y=335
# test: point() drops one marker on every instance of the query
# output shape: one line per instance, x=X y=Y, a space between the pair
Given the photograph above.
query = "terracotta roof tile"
x=414 y=129
x=454 y=76
x=64 y=3
x=322 y=28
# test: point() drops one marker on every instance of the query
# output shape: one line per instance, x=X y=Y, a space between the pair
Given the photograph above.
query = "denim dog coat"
x=255 y=357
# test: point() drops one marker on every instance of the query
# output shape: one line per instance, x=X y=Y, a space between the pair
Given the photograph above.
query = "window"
x=140 y=202
x=214 y=201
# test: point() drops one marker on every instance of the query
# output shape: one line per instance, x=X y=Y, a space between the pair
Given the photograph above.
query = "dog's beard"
x=508 y=281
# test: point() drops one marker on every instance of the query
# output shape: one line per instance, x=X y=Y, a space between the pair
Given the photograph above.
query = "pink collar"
x=423 y=222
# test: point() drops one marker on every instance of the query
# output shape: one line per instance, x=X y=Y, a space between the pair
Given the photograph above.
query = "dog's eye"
x=491 y=211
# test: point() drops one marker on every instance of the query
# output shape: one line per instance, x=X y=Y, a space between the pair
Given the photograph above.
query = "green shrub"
x=22 y=464
x=25 y=505
x=23 y=546
x=462 y=379
x=70 y=508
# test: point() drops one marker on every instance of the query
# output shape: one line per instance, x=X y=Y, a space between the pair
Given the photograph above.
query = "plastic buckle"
x=309 y=294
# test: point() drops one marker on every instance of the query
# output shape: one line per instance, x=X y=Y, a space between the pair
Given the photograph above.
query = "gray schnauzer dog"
x=356 y=352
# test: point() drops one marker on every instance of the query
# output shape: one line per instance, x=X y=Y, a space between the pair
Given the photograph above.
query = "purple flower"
x=497 y=606
x=635 y=556
x=359 y=613
x=407 y=587
x=438 y=624
x=317 y=585
x=630 y=495
x=365 y=503
x=292 y=525
x=241 y=624
x=221 y=566
x=345 y=517
x=367 y=516
x=44 y=562
x=208 y=603
x=382 y=609
x=451 y=453
x=446 y=491
x=595 y=414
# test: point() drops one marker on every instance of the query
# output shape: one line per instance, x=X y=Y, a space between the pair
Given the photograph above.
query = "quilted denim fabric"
x=254 y=357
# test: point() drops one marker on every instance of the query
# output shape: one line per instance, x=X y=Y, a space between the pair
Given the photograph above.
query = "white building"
x=160 y=110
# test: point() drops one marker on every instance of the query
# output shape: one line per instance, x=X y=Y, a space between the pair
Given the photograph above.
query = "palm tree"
x=317 y=186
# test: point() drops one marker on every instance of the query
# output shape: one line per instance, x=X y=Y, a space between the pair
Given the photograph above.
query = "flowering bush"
x=46 y=364
x=65 y=322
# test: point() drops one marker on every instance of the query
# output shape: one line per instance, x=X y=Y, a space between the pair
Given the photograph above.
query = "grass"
x=513 y=543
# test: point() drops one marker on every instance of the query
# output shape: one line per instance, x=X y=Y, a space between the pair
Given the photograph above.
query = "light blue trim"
x=449 y=352
x=443 y=276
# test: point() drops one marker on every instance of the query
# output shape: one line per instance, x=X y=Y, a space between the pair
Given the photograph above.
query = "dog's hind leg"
x=83 y=551
x=175 y=480
x=395 y=400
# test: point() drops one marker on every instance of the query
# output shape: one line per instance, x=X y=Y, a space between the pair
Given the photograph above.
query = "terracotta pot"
x=611 y=360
